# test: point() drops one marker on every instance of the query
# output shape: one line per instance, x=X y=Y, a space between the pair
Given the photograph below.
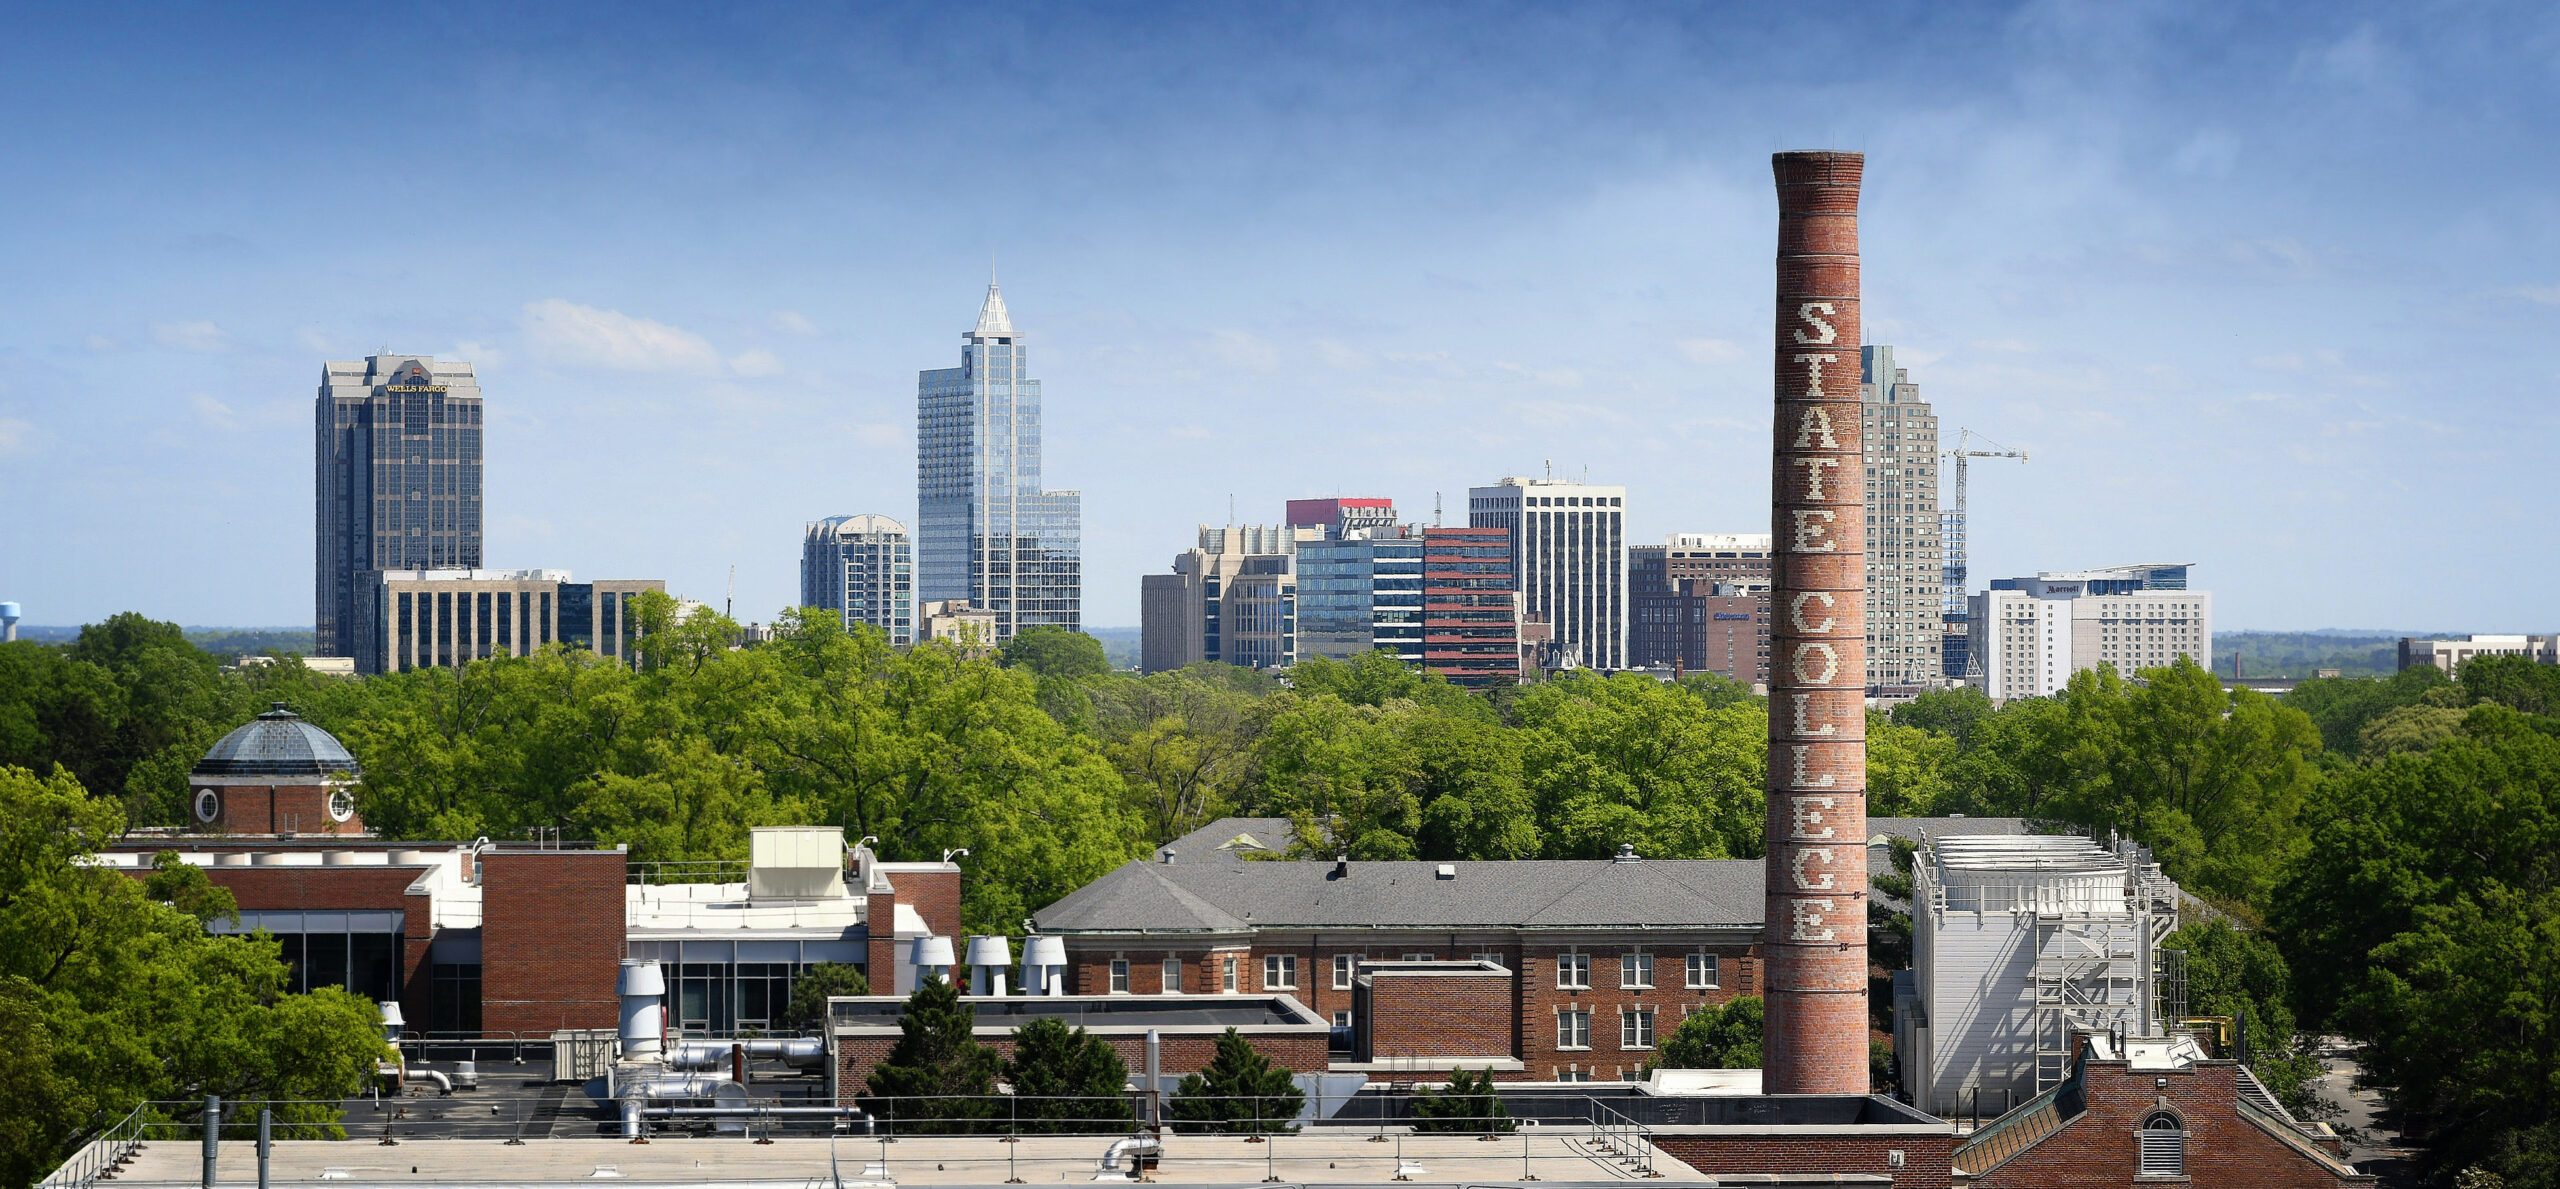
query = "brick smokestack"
x=1816 y=1040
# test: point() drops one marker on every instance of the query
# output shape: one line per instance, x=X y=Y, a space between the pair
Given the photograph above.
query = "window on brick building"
x=1635 y=971
x=1279 y=972
x=1573 y=1030
x=2164 y=1146
x=1702 y=972
x=1496 y=959
x=1573 y=971
x=1571 y=1074
x=1172 y=984
x=1635 y=1028
x=1416 y=956
x=1227 y=974
x=1344 y=965
x=1119 y=976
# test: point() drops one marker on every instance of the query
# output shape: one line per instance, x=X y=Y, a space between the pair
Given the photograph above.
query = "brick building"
x=864 y=1028
x=1582 y=965
x=1700 y=601
x=2138 y=1111
x=484 y=938
x=1470 y=606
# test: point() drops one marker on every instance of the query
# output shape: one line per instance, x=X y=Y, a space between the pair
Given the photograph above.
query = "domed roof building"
x=278 y=774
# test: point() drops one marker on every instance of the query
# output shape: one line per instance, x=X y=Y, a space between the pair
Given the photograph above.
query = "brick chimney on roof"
x=1816 y=1037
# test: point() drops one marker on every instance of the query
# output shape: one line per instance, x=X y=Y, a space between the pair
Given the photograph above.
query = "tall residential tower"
x=397 y=480
x=986 y=534
x=863 y=569
x=1905 y=561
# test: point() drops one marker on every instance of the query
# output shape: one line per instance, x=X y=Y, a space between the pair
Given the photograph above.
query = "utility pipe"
x=212 y=1136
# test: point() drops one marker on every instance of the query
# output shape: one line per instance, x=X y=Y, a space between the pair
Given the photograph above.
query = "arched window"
x=2164 y=1146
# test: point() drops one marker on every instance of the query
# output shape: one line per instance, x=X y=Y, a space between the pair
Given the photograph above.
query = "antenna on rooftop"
x=729 y=604
x=1435 y=509
x=1551 y=468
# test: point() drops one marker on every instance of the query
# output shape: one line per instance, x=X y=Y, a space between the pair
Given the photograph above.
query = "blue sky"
x=2237 y=277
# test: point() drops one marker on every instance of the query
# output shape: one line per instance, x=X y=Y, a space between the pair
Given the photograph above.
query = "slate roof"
x=1228 y=894
x=1232 y=834
x=278 y=743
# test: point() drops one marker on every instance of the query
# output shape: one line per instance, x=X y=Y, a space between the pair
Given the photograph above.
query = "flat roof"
x=1093 y=1013
x=1337 y=1156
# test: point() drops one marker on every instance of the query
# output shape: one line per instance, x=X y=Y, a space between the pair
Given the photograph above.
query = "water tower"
x=8 y=622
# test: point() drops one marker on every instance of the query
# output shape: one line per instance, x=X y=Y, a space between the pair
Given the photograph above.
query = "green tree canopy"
x=1066 y=1081
x=2243 y=976
x=111 y=998
x=809 y=992
x=1050 y=651
x=937 y=1078
x=1240 y=1090
x=1469 y=1103
x=1721 y=1037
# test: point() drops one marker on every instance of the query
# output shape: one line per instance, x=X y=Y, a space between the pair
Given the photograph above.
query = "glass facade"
x=1359 y=594
x=862 y=568
x=986 y=533
x=397 y=458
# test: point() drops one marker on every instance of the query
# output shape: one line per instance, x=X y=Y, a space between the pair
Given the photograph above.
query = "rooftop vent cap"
x=1446 y=871
x=1341 y=866
x=1627 y=854
x=1165 y=856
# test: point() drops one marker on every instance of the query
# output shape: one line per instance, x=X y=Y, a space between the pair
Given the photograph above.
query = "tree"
x=1627 y=760
x=1239 y=1091
x=2421 y=921
x=1724 y=1037
x=937 y=1078
x=809 y=993
x=1047 y=650
x=2515 y=682
x=2243 y=976
x=1906 y=767
x=1949 y=712
x=1066 y=1080
x=1468 y=1104
x=111 y=998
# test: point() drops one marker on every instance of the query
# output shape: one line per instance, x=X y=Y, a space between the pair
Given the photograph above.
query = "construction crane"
x=1956 y=658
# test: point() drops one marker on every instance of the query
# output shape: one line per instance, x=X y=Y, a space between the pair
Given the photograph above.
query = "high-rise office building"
x=2032 y=634
x=863 y=569
x=986 y=533
x=431 y=618
x=1470 y=606
x=1700 y=602
x=1905 y=622
x=1218 y=603
x=396 y=480
x=1569 y=543
x=1361 y=591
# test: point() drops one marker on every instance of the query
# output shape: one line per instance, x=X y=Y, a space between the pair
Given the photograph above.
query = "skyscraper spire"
x=992 y=318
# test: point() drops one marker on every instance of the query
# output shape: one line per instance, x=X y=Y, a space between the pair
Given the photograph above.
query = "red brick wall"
x=551 y=939
x=1529 y=1015
x=881 y=919
x=1188 y=1053
x=1670 y=999
x=1438 y=1015
x=1927 y=1160
x=2099 y=1149
x=276 y=808
x=935 y=895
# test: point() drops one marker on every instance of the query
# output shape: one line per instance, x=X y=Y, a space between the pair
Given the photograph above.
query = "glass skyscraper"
x=860 y=567
x=1361 y=593
x=397 y=482
x=986 y=534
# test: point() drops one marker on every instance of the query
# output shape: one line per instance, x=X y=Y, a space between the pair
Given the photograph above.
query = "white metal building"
x=2016 y=941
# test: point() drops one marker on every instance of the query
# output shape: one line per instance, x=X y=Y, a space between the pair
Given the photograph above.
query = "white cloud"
x=2210 y=153
x=1238 y=349
x=102 y=344
x=1188 y=432
x=2546 y=294
x=757 y=362
x=791 y=322
x=477 y=354
x=313 y=339
x=612 y=339
x=214 y=412
x=200 y=337
x=16 y=436
x=2278 y=363
x=1710 y=351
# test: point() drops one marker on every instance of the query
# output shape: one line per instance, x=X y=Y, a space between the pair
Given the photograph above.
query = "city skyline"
x=2217 y=293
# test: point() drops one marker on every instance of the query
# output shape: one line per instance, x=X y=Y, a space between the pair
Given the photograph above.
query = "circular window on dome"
x=208 y=805
x=341 y=806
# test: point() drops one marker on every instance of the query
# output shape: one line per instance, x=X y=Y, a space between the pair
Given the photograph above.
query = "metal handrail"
x=100 y=1156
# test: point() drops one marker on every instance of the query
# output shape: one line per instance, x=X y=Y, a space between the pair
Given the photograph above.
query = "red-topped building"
x=1470 y=606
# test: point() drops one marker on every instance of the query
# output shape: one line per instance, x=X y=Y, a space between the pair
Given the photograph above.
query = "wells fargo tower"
x=1816 y=1038
x=396 y=479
